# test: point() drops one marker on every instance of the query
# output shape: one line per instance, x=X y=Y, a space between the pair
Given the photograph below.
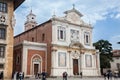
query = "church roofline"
x=33 y=28
x=73 y=10
x=66 y=21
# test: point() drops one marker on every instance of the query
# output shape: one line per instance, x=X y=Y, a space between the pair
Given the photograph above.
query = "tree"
x=105 y=49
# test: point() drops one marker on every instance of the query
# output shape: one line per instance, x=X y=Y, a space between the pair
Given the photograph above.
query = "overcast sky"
x=104 y=15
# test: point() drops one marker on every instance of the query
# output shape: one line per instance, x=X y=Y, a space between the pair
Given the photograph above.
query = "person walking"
x=65 y=75
x=43 y=75
x=105 y=74
x=108 y=75
x=20 y=75
x=81 y=74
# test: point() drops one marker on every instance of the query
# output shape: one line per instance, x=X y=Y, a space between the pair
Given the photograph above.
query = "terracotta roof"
x=116 y=53
x=33 y=28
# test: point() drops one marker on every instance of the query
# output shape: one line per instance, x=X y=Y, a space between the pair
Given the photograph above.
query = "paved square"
x=72 y=78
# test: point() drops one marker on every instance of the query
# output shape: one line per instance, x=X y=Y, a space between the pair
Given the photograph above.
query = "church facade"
x=57 y=45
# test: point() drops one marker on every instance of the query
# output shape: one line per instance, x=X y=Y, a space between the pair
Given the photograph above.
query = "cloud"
x=93 y=10
x=117 y=16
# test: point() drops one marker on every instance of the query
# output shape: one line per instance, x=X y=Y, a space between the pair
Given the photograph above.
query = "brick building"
x=57 y=45
x=115 y=64
x=7 y=23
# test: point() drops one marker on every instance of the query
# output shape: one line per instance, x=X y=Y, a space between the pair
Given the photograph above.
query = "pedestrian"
x=105 y=74
x=23 y=75
x=115 y=76
x=43 y=75
x=108 y=75
x=65 y=75
x=17 y=75
x=20 y=75
x=1 y=75
x=81 y=74
x=39 y=75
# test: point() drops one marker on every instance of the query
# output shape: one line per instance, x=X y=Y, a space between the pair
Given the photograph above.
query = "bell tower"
x=31 y=21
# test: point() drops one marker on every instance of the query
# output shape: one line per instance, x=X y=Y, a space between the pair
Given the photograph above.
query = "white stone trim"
x=32 y=64
x=30 y=45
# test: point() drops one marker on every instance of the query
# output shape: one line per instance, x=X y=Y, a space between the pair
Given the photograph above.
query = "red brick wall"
x=36 y=33
x=31 y=53
x=17 y=52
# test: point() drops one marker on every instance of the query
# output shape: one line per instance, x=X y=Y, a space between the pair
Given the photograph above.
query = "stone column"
x=70 y=66
x=98 y=62
x=53 y=56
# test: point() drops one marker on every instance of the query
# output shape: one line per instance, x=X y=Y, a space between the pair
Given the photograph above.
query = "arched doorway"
x=76 y=50
x=36 y=64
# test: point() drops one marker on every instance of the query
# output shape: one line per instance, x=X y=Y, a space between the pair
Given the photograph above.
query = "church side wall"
x=36 y=35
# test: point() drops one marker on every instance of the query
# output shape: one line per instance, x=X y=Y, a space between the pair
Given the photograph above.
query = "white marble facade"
x=72 y=40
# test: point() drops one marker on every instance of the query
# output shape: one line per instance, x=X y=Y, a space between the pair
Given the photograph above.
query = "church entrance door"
x=36 y=68
x=75 y=66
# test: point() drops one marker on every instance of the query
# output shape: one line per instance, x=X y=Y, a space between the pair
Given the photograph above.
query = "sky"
x=104 y=15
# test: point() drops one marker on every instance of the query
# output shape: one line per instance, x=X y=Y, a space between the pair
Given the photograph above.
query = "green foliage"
x=105 y=49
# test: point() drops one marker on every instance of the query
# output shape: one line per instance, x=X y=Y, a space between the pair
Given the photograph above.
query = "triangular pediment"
x=74 y=16
x=73 y=10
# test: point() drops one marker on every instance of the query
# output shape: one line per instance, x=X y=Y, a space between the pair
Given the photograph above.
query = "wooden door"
x=36 y=68
x=75 y=66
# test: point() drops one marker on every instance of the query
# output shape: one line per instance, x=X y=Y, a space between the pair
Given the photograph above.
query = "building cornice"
x=28 y=43
x=68 y=22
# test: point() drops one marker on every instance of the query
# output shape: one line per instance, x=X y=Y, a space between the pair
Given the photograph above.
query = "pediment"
x=73 y=16
x=75 y=11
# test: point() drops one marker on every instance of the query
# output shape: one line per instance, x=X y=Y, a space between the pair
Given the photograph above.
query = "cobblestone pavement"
x=74 y=78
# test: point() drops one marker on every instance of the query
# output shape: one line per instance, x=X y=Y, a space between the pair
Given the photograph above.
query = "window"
x=87 y=38
x=1 y=66
x=32 y=39
x=18 y=59
x=3 y=7
x=61 y=33
x=62 y=59
x=43 y=37
x=118 y=66
x=2 y=33
x=2 y=51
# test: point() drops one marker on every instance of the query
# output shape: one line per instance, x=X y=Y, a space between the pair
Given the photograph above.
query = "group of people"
x=41 y=75
x=65 y=75
x=108 y=75
x=18 y=76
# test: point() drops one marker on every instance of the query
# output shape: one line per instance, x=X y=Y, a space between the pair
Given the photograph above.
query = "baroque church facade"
x=57 y=45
